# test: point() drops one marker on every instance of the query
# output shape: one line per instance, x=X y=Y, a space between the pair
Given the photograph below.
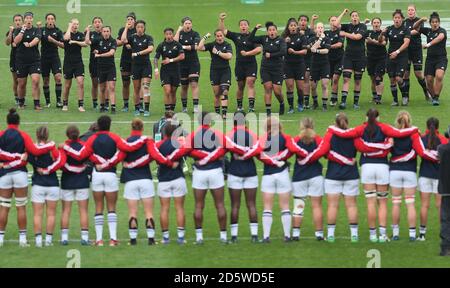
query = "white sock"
x=64 y=234
x=422 y=229
x=412 y=232
x=165 y=234
x=382 y=231
x=373 y=232
x=267 y=223
x=180 y=232
x=150 y=228
x=254 y=229
x=354 y=230
x=38 y=239
x=395 y=230
x=319 y=233
x=286 y=219
x=199 y=234
x=296 y=232
x=112 y=224
x=331 y=228
x=85 y=235
x=98 y=219
x=234 y=230
x=223 y=235
x=133 y=232
x=48 y=238
x=22 y=236
x=2 y=236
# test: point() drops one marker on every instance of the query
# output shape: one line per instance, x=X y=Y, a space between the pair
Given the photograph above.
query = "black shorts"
x=294 y=71
x=435 y=63
x=93 y=69
x=272 y=74
x=397 y=67
x=106 y=74
x=52 y=65
x=189 y=68
x=320 y=71
x=415 y=57
x=376 y=67
x=246 y=69
x=12 y=64
x=358 y=65
x=170 y=77
x=125 y=66
x=25 y=69
x=336 y=66
x=141 y=71
x=308 y=59
x=220 y=76
x=73 y=70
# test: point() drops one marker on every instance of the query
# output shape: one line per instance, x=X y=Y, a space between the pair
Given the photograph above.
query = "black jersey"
x=72 y=53
x=335 y=54
x=416 y=40
x=242 y=43
x=218 y=62
x=324 y=44
x=169 y=50
x=138 y=44
x=191 y=38
x=375 y=51
x=104 y=46
x=126 y=53
x=298 y=43
x=24 y=54
x=12 y=54
x=396 y=37
x=95 y=38
x=276 y=47
x=308 y=33
x=50 y=50
x=355 y=48
x=439 y=49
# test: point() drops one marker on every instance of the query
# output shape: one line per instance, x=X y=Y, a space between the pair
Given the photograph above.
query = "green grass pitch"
x=308 y=252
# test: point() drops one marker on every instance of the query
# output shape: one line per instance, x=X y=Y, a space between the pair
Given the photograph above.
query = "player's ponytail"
x=72 y=132
x=342 y=121
x=13 y=117
x=372 y=116
x=42 y=133
x=307 y=133
x=432 y=126
x=403 y=120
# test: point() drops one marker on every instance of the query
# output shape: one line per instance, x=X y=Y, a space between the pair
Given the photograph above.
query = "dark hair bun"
x=269 y=23
x=435 y=14
x=12 y=111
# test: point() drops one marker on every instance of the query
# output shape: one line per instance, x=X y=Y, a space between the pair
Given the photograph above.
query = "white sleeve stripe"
x=404 y=158
x=56 y=163
x=342 y=158
x=75 y=169
x=382 y=146
x=205 y=160
x=138 y=161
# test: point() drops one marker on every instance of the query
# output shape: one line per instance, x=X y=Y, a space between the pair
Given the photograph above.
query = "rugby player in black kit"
x=28 y=60
x=220 y=71
x=141 y=47
x=246 y=68
x=190 y=66
x=274 y=51
x=354 y=56
x=436 y=62
x=171 y=53
x=9 y=41
x=52 y=39
x=398 y=37
x=93 y=36
x=126 y=59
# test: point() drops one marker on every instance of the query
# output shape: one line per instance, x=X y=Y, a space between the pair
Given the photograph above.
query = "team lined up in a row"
x=302 y=56
x=208 y=147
